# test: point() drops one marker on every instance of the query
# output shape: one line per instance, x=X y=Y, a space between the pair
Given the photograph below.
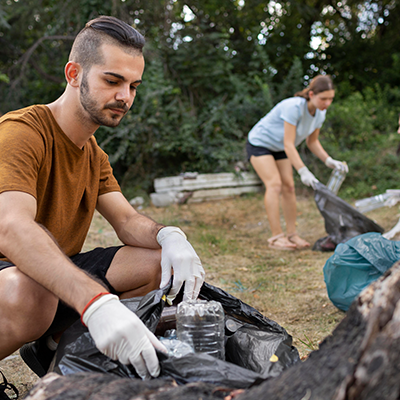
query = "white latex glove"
x=178 y=253
x=339 y=165
x=121 y=335
x=307 y=177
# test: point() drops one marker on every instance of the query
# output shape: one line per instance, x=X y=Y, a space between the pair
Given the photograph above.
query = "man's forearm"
x=36 y=254
x=140 y=231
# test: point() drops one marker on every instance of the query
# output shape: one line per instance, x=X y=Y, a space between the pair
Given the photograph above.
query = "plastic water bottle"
x=371 y=203
x=175 y=347
x=335 y=181
x=201 y=324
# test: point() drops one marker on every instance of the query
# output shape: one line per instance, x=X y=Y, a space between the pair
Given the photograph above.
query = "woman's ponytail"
x=317 y=85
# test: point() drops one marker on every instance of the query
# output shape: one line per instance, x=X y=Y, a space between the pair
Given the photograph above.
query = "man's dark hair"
x=104 y=29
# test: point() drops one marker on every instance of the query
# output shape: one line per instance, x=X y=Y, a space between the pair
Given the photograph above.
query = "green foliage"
x=162 y=135
x=293 y=81
x=349 y=122
x=361 y=129
x=4 y=78
x=213 y=69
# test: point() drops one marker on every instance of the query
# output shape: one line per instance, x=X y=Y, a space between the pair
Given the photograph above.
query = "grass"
x=230 y=237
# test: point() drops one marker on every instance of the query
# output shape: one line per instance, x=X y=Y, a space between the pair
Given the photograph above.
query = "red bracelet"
x=90 y=303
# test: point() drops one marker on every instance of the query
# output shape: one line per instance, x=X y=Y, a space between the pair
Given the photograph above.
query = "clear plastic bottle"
x=371 y=203
x=175 y=347
x=335 y=181
x=201 y=324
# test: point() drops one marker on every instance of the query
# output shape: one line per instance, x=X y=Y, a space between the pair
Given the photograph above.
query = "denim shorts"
x=258 y=151
x=96 y=262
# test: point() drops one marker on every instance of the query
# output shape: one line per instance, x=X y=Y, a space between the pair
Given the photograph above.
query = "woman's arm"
x=290 y=149
x=289 y=145
x=315 y=146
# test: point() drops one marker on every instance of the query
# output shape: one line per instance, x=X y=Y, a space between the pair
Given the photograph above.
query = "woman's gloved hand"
x=335 y=164
x=307 y=177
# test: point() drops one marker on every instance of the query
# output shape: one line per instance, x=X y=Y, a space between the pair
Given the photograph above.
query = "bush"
x=165 y=135
x=361 y=129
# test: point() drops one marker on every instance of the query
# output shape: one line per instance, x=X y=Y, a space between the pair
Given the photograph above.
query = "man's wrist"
x=167 y=230
x=96 y=302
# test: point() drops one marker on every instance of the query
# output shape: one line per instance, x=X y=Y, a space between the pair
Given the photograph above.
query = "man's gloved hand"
x=307 y=177
x=334 y=164
x=178 y=253
x=121 y=335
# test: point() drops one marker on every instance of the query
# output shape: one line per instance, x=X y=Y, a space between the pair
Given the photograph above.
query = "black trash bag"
x=342 y=221
x=256 y=347
x=251 y=339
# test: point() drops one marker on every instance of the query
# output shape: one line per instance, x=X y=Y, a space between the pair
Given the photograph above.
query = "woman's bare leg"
x=289 y=204
x=266 y=168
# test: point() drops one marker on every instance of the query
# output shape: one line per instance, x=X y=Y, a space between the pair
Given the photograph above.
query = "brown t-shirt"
x=36 y=157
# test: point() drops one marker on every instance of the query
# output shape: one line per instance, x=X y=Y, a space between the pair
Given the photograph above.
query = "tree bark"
x=360 y=360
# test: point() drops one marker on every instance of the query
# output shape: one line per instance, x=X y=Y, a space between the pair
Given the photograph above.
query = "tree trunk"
x=360 y=360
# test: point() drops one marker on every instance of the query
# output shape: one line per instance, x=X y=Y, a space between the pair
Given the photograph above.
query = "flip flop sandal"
x=299 y=246
x=272 y=243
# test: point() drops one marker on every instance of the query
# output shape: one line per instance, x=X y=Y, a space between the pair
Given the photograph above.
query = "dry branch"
x=28 y=54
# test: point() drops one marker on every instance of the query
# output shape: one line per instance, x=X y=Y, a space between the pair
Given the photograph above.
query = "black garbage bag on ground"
x=342 y=221
x=256 y=348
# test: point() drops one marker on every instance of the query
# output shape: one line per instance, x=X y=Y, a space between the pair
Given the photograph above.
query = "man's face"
x=107 y=91
x=398 y=130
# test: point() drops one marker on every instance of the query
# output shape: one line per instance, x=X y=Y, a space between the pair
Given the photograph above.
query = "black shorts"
x=258 y=151
x=96 y=262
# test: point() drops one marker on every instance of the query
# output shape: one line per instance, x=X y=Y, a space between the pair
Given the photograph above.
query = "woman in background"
x=271 y=149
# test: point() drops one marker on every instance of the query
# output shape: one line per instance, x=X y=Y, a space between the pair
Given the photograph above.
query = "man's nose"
x=124 y=94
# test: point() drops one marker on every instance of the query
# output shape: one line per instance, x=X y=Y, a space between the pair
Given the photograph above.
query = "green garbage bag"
x=357 y=263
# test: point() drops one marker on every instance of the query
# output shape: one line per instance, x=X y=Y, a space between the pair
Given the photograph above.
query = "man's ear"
x=72 y=71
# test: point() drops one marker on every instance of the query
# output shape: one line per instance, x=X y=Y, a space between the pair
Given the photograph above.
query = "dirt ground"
x=230 y=237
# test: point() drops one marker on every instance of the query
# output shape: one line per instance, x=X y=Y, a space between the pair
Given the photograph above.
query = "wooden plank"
x=221 y=193
x=165 y=199
x=205 y=181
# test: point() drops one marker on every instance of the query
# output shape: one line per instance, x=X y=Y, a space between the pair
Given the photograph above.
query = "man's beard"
x=95 y=112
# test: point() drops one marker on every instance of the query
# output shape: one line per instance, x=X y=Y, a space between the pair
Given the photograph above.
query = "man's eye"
x=111 y=82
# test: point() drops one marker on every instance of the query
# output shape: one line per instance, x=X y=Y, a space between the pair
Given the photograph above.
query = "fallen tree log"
x=359 y=360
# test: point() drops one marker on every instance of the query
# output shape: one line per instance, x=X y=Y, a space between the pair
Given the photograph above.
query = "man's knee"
x=27 y=309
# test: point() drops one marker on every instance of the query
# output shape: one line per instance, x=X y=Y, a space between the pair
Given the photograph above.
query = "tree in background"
x=213 y=69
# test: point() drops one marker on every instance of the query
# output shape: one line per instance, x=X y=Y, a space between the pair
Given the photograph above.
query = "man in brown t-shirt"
x=53 y=176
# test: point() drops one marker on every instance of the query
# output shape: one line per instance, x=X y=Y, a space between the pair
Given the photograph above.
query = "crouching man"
x=53 y=176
